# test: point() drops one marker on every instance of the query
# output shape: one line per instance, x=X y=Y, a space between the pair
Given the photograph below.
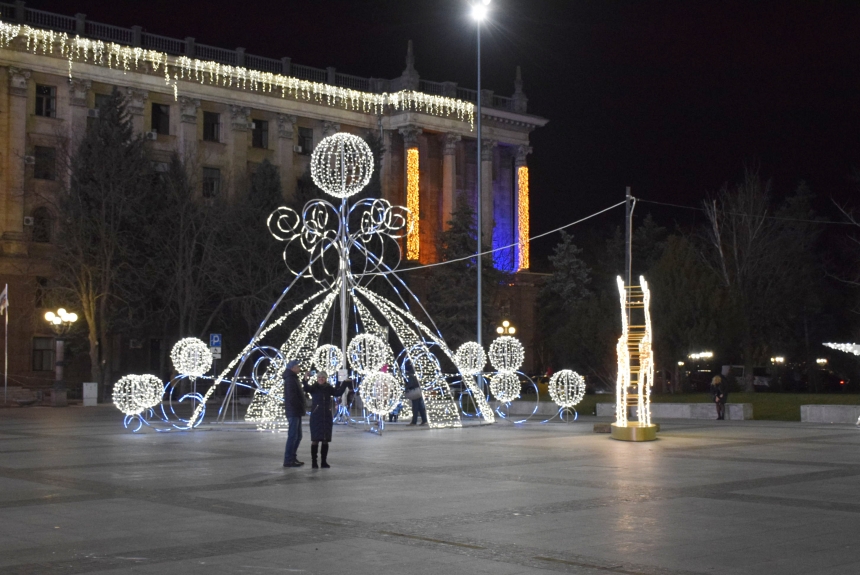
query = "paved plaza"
x=79 y=494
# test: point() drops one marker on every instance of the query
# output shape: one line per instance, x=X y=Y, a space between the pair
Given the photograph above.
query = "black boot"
x=314 y=448
x=324 y=453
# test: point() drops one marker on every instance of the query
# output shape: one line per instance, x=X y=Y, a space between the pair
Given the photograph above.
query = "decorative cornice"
x=410 y=135
x=78 y=90
x=487 y=151
x=240 y=118
x=286 y=123
x=330 y=128
x=449 y=143
x=188 y=109
x=522 y=152
x=135 y=101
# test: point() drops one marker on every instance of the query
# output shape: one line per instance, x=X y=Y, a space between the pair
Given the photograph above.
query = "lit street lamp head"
x=479 y=11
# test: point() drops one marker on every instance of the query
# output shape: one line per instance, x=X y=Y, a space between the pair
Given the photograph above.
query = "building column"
x=186 y=139
x=522 y=209
x=13 y=202
x=386 y=171
x=413 y=190
x=449 y=176
x=78 y=92
x=237 y=144
x=286 y=141
x=135 y=103
x=488 y=209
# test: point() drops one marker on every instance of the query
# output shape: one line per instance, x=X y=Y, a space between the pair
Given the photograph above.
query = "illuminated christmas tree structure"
x=635 y=365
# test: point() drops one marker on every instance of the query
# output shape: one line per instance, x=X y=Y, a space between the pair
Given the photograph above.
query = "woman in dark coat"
x=720 y=395
x=322 y=415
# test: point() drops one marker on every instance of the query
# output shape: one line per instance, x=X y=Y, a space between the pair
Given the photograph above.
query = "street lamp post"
x=60 y=323
x=506 y=328
x=479 y=12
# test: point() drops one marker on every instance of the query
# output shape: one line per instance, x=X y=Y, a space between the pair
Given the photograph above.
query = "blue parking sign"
x=214 y=340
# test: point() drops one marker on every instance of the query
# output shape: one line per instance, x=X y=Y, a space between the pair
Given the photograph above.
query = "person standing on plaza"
x=413 y=393
x=720 y=395
x=294 y=408
x=322 y=415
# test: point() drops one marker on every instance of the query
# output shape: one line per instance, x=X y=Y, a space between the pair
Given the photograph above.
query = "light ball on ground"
x=380 y=393
x=134 y=394
x=566 y=388
x=190 y=356
x=505 y=386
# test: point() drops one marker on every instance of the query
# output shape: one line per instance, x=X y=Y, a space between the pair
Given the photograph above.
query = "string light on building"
x=341 y=165
x=470 y=358
x=380 y=392
x=134 y=394
x=523 y=218
x=566 y=388
x=183 y=68
x=191 y=357
x=413 y=240
x=506 y=353
x=505 y=386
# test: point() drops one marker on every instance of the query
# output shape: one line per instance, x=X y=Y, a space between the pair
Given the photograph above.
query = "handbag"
x=413 y=393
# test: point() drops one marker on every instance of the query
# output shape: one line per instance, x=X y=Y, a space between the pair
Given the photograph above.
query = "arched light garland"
x=566 y=388
x=506 y=353
x=413 y=204
x=470 y=358
x=367 y=353
x=127 y=58
x=846 y=347
x=380 y=392
x=341 y=165
x=190 y=356
x=505 y=386
x=328 y=358
x=523 y=217
x=134 y=394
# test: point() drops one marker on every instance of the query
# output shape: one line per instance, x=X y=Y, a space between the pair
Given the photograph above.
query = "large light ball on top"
x=470 y=358
x=134 y=394
x=505 y=386
x=380 y=392
x=367 y=353
x=190 y=356
x=506 y=353
x=566 y=388
x=341 y=165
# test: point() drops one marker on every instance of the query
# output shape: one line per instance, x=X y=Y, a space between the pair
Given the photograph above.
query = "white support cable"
x=558 y=229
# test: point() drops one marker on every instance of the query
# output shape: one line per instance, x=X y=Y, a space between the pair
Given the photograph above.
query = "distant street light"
x=821 y=361
x=506 y=328
x=60 y=322
x=777 y=359
x=701 y=355
x=479 y=12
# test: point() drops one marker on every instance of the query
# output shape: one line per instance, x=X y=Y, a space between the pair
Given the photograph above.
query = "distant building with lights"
x=230 y=111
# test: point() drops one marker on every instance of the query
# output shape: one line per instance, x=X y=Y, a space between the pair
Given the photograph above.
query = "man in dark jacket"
x=294 y=407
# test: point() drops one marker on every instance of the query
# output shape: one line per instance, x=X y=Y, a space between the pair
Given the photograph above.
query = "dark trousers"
x=721 y=410
x=294 y=437
x=418 y=408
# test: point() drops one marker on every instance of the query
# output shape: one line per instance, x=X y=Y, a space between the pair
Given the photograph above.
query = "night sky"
x=671 y=97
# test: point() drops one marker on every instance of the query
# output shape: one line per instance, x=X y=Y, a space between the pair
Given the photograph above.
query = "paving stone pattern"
x=78 y=494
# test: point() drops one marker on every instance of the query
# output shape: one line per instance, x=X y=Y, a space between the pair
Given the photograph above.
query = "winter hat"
x=292 y=363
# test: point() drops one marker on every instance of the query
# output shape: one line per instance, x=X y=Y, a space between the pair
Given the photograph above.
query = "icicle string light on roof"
x=183 y=68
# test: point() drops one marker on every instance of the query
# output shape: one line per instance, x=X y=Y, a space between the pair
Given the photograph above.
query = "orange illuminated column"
x=413 y=243
x=522 y=208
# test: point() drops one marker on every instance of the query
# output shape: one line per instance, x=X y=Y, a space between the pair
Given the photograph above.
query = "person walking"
x=413 y=393
x=322 y=415
x=720 y=395
x=294 y=408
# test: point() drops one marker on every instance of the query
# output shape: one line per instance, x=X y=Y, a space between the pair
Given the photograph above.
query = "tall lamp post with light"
x=60 y=323
x=506 y=328
x=479 y=13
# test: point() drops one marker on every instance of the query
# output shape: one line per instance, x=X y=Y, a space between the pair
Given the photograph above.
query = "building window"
x=46 y=101
x=211 y=127
x=211 y=182
x=161 y=119
x=42 y=225
x=43 y=354
x=260 y=134
x=306 y=141
x=45 y=167
x=41 y=290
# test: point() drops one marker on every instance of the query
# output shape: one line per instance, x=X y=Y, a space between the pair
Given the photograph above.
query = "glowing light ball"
x=505 y=386
x=134 y=394
x=341 y=165
x=506 y=353
x=367 y=353
x=190 y=356
x=328 y=358
x=470 y=358
x=566 y=388
x=380 y=392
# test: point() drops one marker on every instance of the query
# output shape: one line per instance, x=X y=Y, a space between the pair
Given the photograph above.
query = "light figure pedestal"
x=635 y=365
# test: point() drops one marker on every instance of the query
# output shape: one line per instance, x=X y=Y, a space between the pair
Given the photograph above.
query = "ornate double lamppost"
x=60 y=322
